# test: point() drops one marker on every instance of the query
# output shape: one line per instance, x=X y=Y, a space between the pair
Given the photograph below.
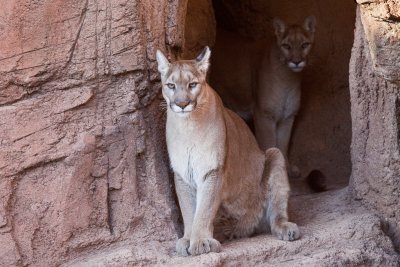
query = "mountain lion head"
x=295 y=42
x=183 y=80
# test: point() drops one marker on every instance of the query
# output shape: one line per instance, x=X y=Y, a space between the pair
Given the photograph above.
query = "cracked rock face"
x=375 y=102
x=83 y=167
x=82 y=157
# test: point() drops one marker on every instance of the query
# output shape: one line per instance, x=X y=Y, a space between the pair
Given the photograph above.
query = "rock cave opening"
x=321 y=133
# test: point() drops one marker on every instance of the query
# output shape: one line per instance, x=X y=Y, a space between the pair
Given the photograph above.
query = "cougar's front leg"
x=187 y=204
x=208 y=200
x=284 y=132
x=265 y=128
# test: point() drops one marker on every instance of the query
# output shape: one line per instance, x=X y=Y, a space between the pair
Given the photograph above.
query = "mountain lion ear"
x=309 y=24
x=203 y=60
x=163 y=63
x=279 y=26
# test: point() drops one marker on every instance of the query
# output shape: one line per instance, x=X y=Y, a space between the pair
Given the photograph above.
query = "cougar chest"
x=290 y=100
x=193 y=154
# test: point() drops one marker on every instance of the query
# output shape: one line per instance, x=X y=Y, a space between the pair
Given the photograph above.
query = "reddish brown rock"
x=81 y=161
x=375 y=100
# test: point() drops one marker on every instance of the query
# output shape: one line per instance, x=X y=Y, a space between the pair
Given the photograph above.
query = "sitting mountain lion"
x=222 y=178
x=262 y=79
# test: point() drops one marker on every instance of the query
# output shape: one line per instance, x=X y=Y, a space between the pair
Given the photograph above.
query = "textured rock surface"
x=83 y=169
x=82 y=162
x=381 y=28
x=200 y=27
x=375 y=101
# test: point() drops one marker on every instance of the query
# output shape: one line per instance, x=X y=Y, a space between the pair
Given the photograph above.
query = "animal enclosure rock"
x=375 y=94
x=81 y=159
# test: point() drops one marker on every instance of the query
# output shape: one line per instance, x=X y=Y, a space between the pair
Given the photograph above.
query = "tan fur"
x=222 y=178
x=262 y=79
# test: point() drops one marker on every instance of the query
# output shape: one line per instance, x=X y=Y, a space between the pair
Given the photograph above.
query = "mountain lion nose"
x=182 y=103
x=297 y=62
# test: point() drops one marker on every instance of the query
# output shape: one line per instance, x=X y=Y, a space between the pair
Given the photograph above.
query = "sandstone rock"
x=374 y=88
x=80 y=158
x=380 y=20
x=200 y=29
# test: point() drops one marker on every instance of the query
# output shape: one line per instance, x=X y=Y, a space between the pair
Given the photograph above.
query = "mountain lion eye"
x=286 y=46
x=171 y=86
x=192 y=85
x=305 y=45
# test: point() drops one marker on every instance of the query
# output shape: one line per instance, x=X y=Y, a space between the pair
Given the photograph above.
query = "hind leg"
x=265 y=129
x=275 y=214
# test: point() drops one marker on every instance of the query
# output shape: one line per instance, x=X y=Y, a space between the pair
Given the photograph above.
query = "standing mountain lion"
x=222 y=178
x=262 y=79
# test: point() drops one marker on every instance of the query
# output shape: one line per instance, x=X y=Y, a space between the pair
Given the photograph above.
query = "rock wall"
x=200 y=28
x=82 y=159
x=375 y=104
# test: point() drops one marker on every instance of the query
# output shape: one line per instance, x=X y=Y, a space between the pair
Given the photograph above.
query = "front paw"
x=204 y=245
x=182 y=246
x=287 y=231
